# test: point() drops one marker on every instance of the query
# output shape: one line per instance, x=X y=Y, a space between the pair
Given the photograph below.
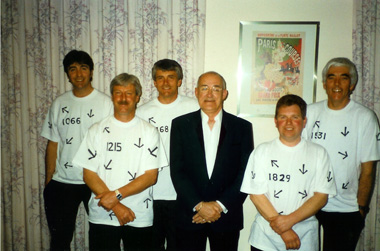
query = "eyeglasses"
x=214 y=89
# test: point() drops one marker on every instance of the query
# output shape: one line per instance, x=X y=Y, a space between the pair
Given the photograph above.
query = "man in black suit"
x=209 y=150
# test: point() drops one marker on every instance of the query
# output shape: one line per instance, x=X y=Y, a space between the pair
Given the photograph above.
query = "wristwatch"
x=364 y=208
x=118 y=195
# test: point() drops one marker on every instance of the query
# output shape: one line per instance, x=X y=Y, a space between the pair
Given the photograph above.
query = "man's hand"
x=124 y=214
x=280 y=223
x=107 y=200
x=291 y=239
x=209 y=212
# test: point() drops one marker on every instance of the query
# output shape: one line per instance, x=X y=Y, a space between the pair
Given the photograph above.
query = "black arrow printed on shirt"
x=345 y=185
x=151 y=120
x=378 y=136
x=64 y=109
x=139 y=145
x=303 y=171
x=147 y=202
x=67 y=165
x=316 y=124
x=329 y=178
x=304 y=194
x=345 y=133
x=50 y=125
x=152 y=151
x=90 y=114
x=68 y=141
x=274 y=163
x=132 y=176
x=107 y=166
x=276 y=194
x=92 y=154
x=345 y=155
x=253 y=175
x=112 y=214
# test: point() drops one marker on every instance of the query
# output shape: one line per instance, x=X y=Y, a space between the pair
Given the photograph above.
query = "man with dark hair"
x=69 y=117
x=350 y=133
x=120 y=156
x=159 y=112
x=289 y=179
x=209 y=149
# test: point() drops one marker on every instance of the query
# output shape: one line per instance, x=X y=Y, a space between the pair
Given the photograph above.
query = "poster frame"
x=247 y=78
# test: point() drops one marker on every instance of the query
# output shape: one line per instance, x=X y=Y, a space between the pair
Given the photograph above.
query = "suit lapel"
x=221 y=151
x=199 y=130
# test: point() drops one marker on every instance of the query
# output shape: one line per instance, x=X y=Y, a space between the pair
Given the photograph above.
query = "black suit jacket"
x=189 y=172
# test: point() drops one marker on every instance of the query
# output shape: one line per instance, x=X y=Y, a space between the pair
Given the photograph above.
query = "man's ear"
x=225 y=94
x=179 y=83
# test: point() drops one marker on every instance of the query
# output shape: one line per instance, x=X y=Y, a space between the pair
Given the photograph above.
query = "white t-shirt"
x=120 y=152
x=161 y=116
x=67 y=121
x=288 y=177
x=351 y=136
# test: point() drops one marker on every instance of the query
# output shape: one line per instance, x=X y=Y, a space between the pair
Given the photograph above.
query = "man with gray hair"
x=120 y=156
x=167 y=77
x=350 y=133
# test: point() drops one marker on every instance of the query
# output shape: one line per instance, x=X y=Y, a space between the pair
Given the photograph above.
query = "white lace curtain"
x=121 y=36
x=366 y=55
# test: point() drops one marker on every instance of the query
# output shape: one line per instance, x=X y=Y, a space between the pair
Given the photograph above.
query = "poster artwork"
x=277 y=66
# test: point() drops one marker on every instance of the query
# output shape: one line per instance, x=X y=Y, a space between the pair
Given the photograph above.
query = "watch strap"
x=118 y=194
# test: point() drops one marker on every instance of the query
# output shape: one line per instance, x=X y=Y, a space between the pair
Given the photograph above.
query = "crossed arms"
x=282 y=224
x=107 y=198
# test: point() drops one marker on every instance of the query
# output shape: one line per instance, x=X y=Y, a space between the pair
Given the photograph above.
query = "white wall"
x=222 y=50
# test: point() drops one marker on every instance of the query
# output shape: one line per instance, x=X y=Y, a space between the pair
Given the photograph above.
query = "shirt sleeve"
x=50 y=127
x=254 y=181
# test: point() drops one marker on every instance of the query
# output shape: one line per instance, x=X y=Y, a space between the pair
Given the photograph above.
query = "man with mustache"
x=120 y=157
x=209 y=150
x=350 y=133
x=69 y=117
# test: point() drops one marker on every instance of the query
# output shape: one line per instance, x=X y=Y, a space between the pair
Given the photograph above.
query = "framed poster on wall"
x=275 y=59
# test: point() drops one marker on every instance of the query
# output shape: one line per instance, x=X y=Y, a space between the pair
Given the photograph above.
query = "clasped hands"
x=282 y=225
x=109 y=202
x=207 y=212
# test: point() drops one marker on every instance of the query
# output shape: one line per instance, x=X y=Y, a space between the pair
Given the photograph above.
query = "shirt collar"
x=218 y=117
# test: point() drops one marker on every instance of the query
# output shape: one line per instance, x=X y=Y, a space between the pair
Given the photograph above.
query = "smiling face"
x=80 y=77
x=124 y=100
x=338 y=87
x=290 y=124
x=167 y=84
x=210 y=94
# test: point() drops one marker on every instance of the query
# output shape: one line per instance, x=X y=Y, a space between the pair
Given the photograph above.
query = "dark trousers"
x=195 y=240
x=107 y=238
x=164 y=225
x=61 y=207
x=341 y=231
